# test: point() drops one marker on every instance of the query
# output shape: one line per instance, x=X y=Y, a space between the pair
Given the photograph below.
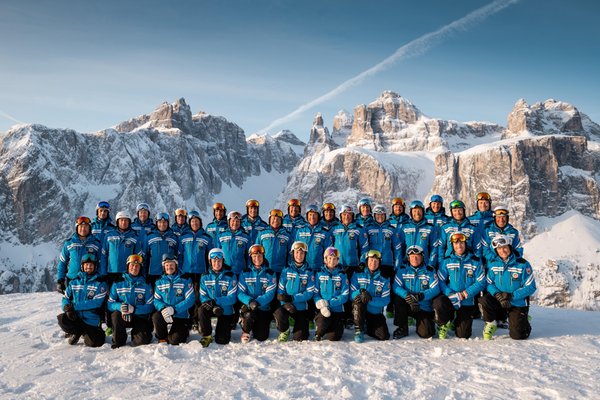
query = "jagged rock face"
x=537 y=176
x=48 y=177
x=280 y=152
x=392 y=123
x=320 y=139
x=549 y=117
x=346 y=175
x=342 y=127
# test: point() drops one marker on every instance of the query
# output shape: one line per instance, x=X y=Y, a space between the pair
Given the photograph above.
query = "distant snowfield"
x=561 y=360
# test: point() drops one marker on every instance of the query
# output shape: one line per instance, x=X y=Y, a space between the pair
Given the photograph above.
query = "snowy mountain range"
x=544 y=165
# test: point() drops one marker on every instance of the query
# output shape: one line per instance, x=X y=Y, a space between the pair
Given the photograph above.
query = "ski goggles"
x=329 y=206
x=219 y=206
x=103 y=204
x=252 y=203
x=500 y=212
x=276 y=213
x=180 y=211
x=299 y=246
x=397 y=201
x=374 y=253
x=332 y=252
x=88 y=257
x=293 y=202
x=162 y=216
x=256 y=249
x=215 y=254
x=234 y=215
x=143 y=206
x=500 y=241
x=457 y=204
x=135 y=259
x=436 y=198
x=414 y=250
x=83 y=221
x=458 y=237
x=484 y=196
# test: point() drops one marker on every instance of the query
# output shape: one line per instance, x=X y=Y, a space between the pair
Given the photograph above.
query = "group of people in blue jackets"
x=329 y=269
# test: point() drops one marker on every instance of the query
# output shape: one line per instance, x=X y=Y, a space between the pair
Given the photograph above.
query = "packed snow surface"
x=559 y=361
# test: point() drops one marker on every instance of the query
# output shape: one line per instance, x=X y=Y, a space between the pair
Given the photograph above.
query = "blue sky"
x=91 y=65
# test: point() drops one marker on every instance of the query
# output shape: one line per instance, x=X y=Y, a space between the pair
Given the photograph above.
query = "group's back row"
x=353 y=234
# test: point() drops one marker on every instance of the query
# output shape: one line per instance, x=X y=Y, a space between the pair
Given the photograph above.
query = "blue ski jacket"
x=333 y=286
x=220 y=287
x=69 y=262
x=317 y=238
x=277 y=246
x=353 y=243
x=87 y=294
x=258 y=284
x=193 y=252
x=298 y=282
x=377 y=286
x=422 y=279
x=132 y=290
x=117 y=246
x=514 y=276
x=157 y=244
x=462 y=273
x=174 y=291
x=235 y=246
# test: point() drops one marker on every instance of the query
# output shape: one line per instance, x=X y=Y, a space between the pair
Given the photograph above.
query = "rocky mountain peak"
x=544 y=118
x=320 y=139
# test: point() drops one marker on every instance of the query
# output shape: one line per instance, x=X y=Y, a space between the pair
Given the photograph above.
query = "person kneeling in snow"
x=296 y=287
x=173 y=297
x=370 y=294
x=83 y=303
x=510 y=282
x=218 y=294
x=415 y=286
x=332 y=290
x=461 y=278
x=257 y=288
x=131 y=302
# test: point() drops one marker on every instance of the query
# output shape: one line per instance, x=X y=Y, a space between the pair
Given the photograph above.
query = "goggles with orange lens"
x=484 y=196
x=252 y=203
x=218 y=206
x=256 y=249
x=398 y=201
x=458 y=237
x=83 y=221
x=135 y=259
x=180 y=211
x=276 y=213
x=500 y=212
x=294 y=202
x=328 y=206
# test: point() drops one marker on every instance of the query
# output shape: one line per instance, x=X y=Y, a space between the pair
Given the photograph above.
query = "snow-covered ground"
x=561 y=360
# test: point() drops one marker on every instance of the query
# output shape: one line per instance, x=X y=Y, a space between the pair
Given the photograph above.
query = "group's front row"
x=446 y=298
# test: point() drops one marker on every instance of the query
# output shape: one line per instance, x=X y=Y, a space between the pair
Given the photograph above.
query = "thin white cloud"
x=414 y=48
x=10 y=117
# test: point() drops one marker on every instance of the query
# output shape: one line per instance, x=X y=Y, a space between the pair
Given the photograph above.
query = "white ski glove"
x=167 y=314
x=321 y=303
x=326 y=312
x=455 y=299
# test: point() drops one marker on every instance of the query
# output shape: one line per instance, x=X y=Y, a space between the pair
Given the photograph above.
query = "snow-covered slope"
x=566 y=258
x=559 y=361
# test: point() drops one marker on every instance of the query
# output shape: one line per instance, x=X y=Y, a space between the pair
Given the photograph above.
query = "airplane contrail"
x=10 y=117
x=411 y=49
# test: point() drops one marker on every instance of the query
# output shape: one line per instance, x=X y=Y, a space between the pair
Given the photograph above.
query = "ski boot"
x=359 y=337
x=284 y=336
x=489 y=329
x=443 y=330
x=206 y=340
